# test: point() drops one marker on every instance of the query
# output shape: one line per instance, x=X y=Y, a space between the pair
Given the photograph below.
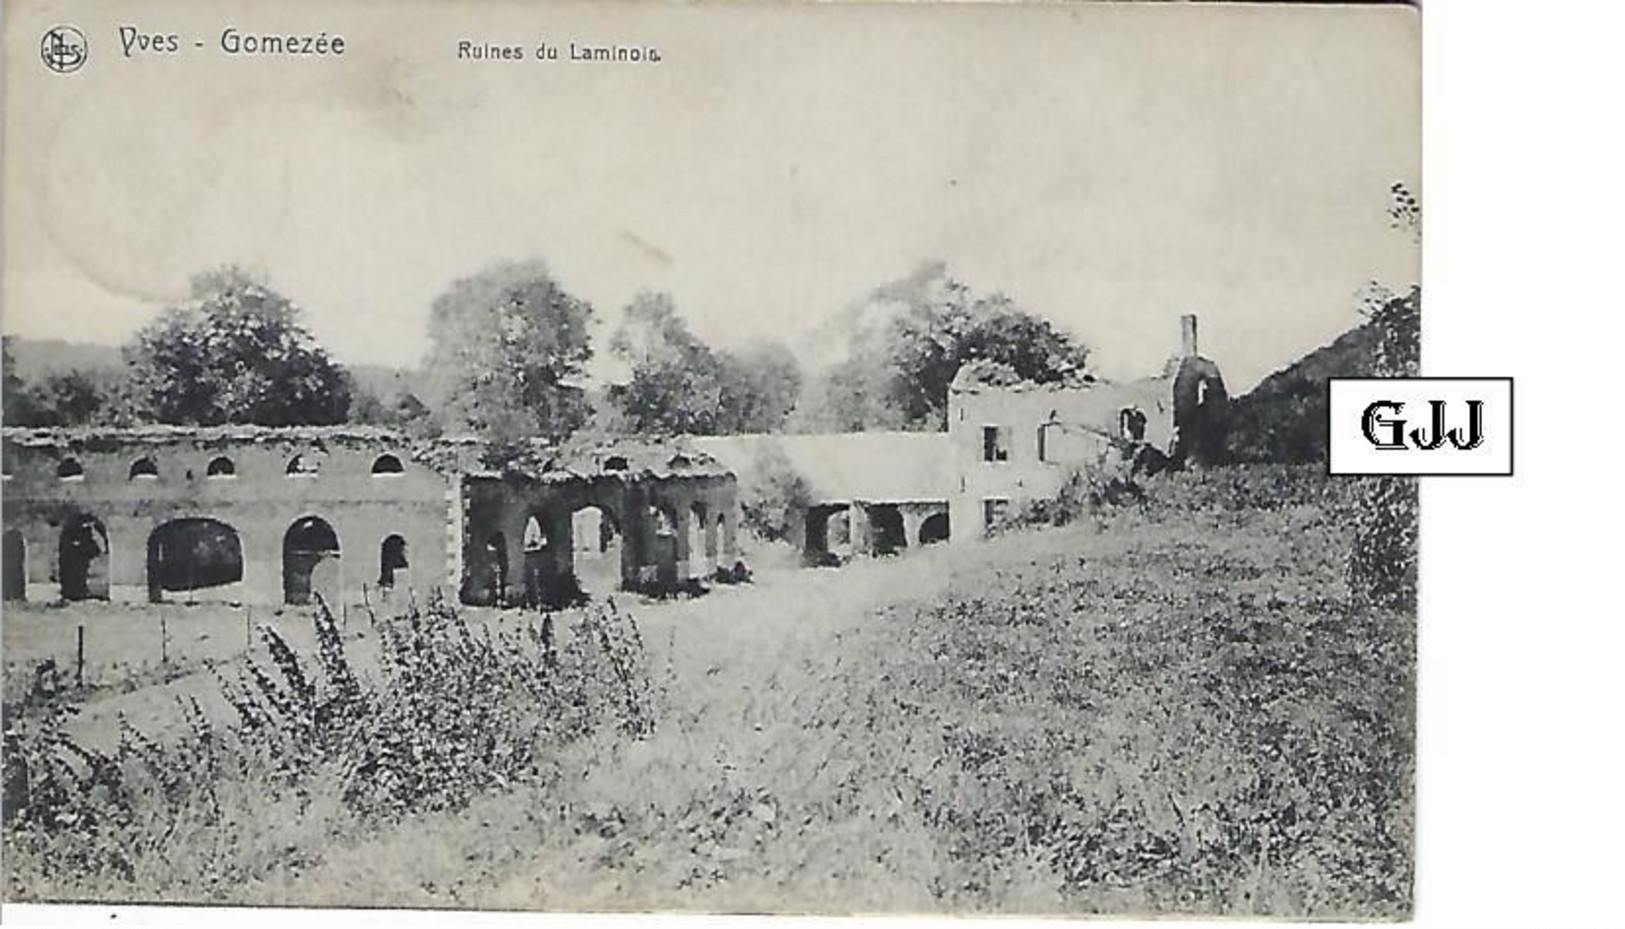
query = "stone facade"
x=260 y=515
x=1014 y=442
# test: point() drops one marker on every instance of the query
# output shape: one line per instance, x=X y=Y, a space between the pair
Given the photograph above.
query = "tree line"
x=509 y=360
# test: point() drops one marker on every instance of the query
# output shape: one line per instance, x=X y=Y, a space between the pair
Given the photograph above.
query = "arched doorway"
x=596 y=549
x=934 y=529
x=15 y=566
x=310 y=561
x=887 y=535
x=540 y=556
x=702 y=543
x=194 y=556
x=485 y=582
x=826 y=534
x=727 y=555
x=663 y=553
x=391 y=558
x=83 y=557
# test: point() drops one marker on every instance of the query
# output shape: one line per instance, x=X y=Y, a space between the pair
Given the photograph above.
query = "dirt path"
x=713 y=807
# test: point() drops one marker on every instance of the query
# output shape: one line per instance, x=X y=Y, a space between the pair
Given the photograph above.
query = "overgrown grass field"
x=1172 y=707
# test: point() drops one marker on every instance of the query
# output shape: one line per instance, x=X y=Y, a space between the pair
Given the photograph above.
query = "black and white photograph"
x=774 y=458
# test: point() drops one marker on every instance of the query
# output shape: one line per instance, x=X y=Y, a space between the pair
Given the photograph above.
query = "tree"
x=510 y=347
x=761 y=385
x=1382 y=566
x=772 y=503
x=851 y=395
x=236 y=354
x=18 y=399
x=681 y=386
x=676 y=382
x=898 y=371
x=71 y=398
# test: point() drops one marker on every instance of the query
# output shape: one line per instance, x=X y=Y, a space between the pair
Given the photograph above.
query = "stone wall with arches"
x=277 y=516
x=521 y=546
x=209 y=514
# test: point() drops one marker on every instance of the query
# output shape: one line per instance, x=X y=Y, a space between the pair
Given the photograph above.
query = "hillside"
x=37 y=359
x=1174 y=710
x=1283 y=419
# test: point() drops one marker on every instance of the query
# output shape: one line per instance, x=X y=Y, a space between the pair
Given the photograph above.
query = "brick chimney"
x=1187 y=335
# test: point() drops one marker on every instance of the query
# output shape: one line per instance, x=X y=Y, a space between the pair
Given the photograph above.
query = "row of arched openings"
x=829 y=529
x=598 y=561
x=197 y=556
x=222 y=466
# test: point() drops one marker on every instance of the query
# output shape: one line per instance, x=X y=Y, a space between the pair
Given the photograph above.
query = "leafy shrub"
x=448 y=715
x=1382 y=568
x=1239 y=488
x=1083 y=491
x=1383 y=564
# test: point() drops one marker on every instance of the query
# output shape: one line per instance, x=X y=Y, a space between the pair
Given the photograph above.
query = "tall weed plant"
x=448 y=715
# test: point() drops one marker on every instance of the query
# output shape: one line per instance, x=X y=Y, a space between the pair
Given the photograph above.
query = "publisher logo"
x=1422 y=426
x=64 y=49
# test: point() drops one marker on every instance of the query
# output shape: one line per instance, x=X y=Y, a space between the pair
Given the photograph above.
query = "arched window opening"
x=302 y=466
x=386 y=465
x=70 y=470
x=144 y=469
x=221 y=467
x=391 y=558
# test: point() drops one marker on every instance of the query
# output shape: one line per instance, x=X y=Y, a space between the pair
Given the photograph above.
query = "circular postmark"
x=64 y=49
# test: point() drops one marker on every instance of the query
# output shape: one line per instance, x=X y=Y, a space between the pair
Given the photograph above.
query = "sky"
x=1110 y=167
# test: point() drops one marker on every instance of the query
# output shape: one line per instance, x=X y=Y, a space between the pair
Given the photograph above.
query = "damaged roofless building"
x=263 y=515
x=1008 y=442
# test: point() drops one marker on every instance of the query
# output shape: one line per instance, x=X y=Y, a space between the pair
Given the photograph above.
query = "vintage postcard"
x=776 y=457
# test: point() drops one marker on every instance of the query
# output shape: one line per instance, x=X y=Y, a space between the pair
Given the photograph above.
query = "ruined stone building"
x=1013 y=441
x=260 y=515
x=868 y=493
x=1008 y=442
